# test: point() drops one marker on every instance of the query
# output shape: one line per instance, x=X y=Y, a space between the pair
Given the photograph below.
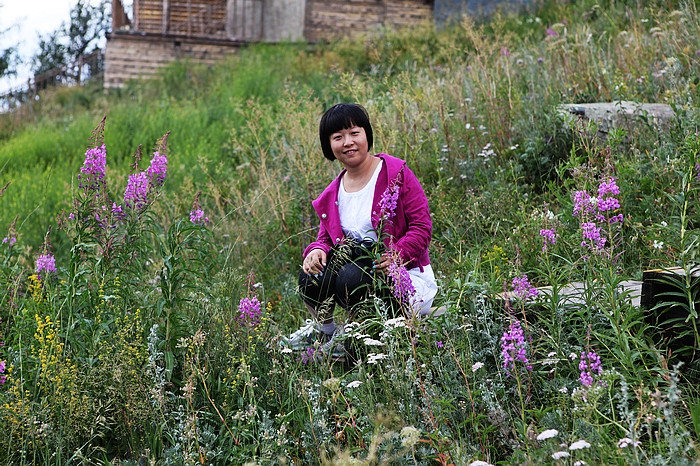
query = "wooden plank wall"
x=148 y=15
x=325 y=19
x=198 y=18
x=329 y=19
x=130 y=56
x=206 y=17
x=197 y=29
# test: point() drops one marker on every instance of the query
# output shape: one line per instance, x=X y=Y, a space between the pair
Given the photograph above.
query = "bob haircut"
x=339 y=117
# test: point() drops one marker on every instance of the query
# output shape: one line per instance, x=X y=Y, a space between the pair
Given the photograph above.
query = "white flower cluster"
x=374 y=358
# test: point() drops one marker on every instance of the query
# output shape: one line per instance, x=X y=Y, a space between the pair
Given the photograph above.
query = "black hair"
x=343 y=116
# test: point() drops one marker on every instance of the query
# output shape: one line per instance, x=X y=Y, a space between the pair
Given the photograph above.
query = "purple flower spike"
x=608 y=188
x=136 y=193
x=583 y=203
x=513 y=347
x=549 y=236
x=158 y=169
x=388 y=201
x=197 y=214
x=92 y=173
x=589 y=366
x=402 y=286
x=591 y=236
x=249 y=312
x=197 y=217
x=523 y=289
x=45 y=262
x=308 y=355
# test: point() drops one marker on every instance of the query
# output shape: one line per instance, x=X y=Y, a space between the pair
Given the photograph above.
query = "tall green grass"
x=133 y=350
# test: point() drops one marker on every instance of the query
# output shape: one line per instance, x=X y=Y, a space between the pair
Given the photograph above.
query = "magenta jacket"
x=410 y=230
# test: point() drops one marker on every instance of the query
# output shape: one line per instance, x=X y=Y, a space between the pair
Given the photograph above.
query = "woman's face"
x=350 y=146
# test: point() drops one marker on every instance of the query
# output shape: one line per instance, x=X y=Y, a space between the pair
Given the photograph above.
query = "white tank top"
x=356 y=209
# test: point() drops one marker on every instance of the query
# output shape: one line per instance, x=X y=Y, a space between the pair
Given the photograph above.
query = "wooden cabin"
x=160 y=31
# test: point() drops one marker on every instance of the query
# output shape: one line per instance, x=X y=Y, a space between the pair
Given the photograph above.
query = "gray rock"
x=622 y=114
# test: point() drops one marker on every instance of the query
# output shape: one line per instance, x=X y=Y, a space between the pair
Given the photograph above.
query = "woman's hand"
x=315 y=262
x=384 y=261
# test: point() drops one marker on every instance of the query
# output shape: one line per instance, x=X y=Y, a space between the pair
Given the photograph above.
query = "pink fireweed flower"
x=591 y=236
x=45 y=262
x=513 y=347
x=609 y=187
x=616 y=219
x=92 y=173
x=583 y=203
x=136 y=193
x=249 y=312
x=598 y=212
x=387 y=202
x=589 y=365
x=157 y=170
x=197 y=214
x=549 y=236
x=401 y=285
x=309 y=355
x=197 y=217
x=3 y=377
x=523 y=289
x=606 y=200
x=608 y=204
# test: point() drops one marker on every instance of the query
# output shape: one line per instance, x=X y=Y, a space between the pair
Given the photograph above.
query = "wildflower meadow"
x=152 y=239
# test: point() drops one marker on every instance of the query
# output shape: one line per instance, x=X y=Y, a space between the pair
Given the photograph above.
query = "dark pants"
x=346 y=281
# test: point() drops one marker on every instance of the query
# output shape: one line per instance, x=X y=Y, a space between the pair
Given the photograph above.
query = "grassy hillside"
x=138 y=348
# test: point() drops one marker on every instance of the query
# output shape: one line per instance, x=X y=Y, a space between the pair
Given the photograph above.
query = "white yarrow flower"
x=395 y=323
x=372 y=342
x=286 y=350
x=557 y=455
x=549 y=433
x=354 y=384
x=373 y=358
x=476 y=366
x=626 y=442
x=409 y=436
x=351 y=326
x=479 y=463
x=579 y=445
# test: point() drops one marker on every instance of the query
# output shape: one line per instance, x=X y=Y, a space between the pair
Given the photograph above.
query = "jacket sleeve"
x=323 y=241
x=413 y=243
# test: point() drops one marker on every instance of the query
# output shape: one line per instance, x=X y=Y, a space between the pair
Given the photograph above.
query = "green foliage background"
x=474 y=110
